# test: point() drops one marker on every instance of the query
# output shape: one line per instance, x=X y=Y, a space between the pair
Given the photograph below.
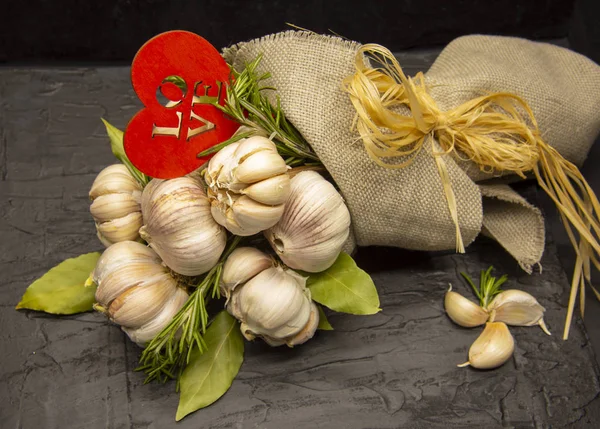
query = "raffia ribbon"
x=496 y=131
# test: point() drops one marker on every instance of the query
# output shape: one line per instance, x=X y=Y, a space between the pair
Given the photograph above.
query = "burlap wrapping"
x=407 y=207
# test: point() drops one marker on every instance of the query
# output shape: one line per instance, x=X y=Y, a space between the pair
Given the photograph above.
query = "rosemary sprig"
x=167 y=354
x=489 y=286
x=247 y=104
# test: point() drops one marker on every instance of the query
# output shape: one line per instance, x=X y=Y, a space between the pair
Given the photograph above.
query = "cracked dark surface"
x=394 y=369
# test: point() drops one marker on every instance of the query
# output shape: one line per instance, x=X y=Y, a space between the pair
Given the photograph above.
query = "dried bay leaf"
x=62 y=290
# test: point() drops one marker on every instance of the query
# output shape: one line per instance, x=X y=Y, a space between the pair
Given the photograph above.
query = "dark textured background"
x=110 y=30
x=395 y=369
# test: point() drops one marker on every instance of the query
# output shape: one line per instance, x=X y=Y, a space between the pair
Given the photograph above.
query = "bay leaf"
x=345 y=288
x=62 y=289
x=324 y=324
x=209 y=375
x=115 y=136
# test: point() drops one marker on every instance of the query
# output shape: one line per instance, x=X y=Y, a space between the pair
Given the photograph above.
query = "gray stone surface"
x=394 y=369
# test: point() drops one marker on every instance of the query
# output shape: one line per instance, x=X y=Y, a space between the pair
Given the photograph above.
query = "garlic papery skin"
x=243 y=264
x=275 y=303
x=492 y=348
x=136 y=290
x=179 y=227
x=517 y=308
x=464 y=312
x=115 y=196
x=248 y=185
x=314 y=226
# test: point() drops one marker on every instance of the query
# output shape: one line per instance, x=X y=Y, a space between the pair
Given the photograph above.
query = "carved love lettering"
x=178 y=76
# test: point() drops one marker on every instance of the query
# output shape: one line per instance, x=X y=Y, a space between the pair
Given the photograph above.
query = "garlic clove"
x=217 y=163
x=517 y=308
x=139 y=304
x=243 y=264
x=308 y=331
x=112 y=206
x=462 y=311
x=492 y=348
x=254 y=217
x=114 y=179
x=252 y=145
x=259 y=166
x=272 y=191
x=144 y=334
x=121 y=229
x=314 y=225
x=122 y=278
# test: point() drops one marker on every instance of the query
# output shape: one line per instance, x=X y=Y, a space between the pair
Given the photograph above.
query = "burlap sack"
x=407 y=207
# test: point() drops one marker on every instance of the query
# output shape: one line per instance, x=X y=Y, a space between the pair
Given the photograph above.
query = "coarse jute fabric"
x=407 y=207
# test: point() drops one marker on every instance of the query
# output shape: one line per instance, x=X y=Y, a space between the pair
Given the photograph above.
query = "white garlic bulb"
x=275 y=303
x=314 y=226
x=517 y=308
x=179 y=227
x=248 y=185
x=136 y=290
x=464 y=312
x=271 y=302
x=492 y=348
x=116 y=205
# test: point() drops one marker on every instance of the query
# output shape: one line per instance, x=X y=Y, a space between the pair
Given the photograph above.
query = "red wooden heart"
x=163 y=139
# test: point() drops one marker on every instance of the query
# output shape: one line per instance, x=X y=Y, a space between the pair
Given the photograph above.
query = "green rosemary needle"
x=489 y=286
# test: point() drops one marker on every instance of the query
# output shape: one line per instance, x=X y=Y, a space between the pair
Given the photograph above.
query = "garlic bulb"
x=517 y=308
x=271 y=302
x=464 y=312
x=493 y=348
x=248 y=185
x=179 y=227
x=243 y=264
x=275 y=303
x=314 y=226
x=136 y=290
x=116 y=205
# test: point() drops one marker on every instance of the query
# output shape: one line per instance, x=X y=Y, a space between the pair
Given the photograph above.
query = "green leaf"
x=62 y=290
x=345 y=288
x=209 y=375
x=324 y=324
x=115 y=136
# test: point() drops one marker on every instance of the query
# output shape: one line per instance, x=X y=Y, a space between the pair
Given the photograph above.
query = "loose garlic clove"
x=179 y=226
x=493 y=348
x=517 y=308
x=136 y=290
x=243 y=264
x=314 y=226
x=462 y=311
x=308 y=331
x=248 y=184
x=116 y=205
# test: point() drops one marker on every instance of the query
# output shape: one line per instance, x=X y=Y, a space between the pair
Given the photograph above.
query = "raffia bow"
x=498 y=132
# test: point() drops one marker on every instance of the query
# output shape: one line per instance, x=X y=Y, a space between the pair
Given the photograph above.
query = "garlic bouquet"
x=248 y=185
x=136 y=290
x=115 y=196
x=270 y=301
x=496 y=310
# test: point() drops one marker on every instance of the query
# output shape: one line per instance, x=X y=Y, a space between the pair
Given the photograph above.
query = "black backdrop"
x=112 y=30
